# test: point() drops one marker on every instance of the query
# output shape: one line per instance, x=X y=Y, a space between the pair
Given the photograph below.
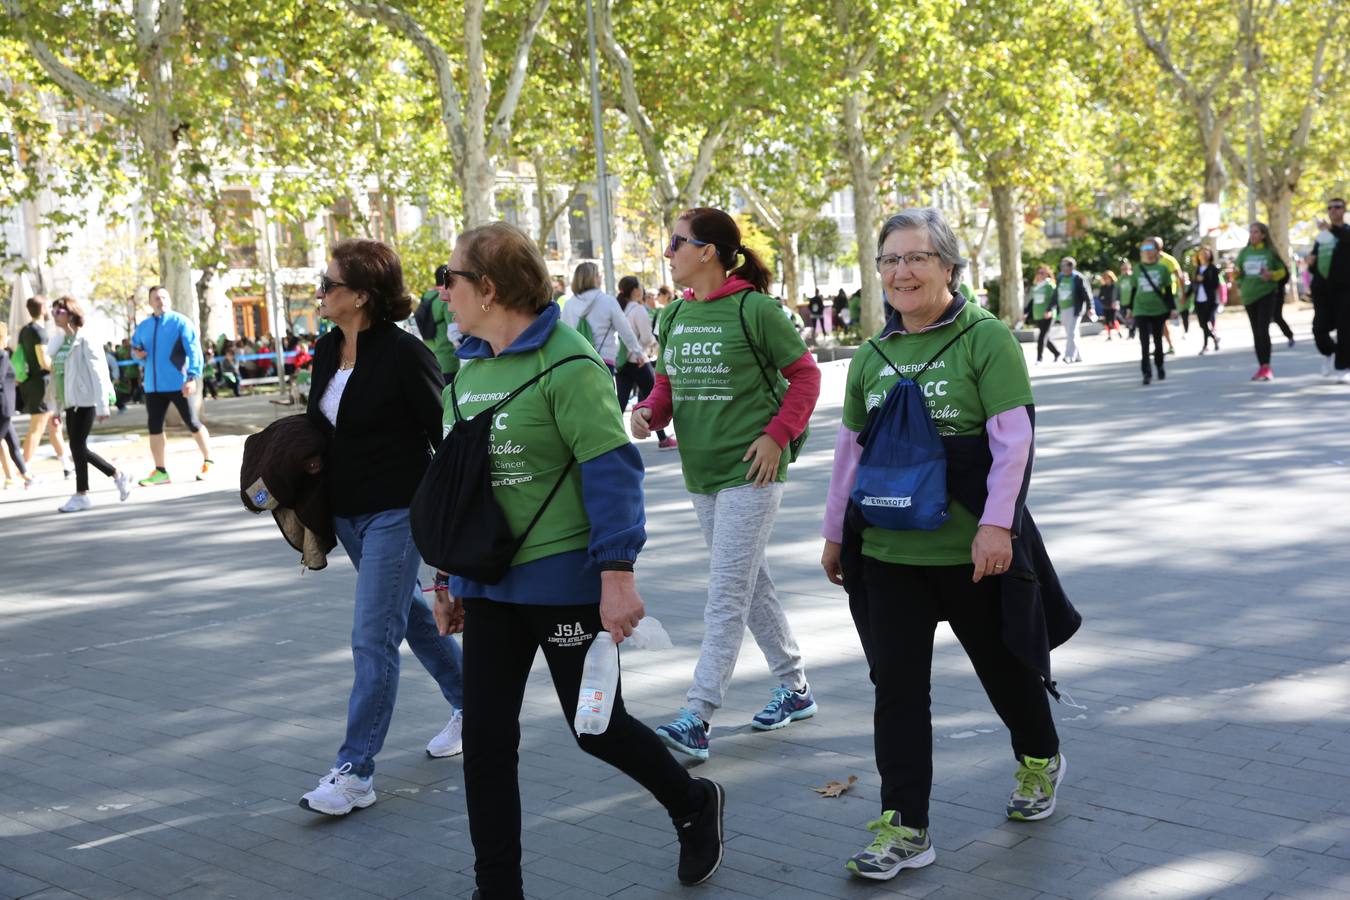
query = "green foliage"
x=1103 y=246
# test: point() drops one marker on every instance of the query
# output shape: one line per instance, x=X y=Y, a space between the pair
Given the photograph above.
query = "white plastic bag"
x=648 y=635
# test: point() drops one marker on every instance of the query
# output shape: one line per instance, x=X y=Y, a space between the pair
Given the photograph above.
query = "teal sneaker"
x=1037 y=786
x=688 y=734
x=786 y=706
x=895 y=847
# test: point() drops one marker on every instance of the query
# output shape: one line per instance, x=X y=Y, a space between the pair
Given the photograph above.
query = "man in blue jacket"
x=171 y=357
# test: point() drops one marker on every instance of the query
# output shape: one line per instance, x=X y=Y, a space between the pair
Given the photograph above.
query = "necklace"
x=343 y=365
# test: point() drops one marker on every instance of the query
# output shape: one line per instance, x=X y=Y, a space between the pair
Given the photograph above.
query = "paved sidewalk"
x=170 y=685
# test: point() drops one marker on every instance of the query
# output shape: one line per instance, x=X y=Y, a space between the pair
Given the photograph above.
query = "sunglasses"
x=677 y=239
x=452 y=274
x=1332 y=207
x=326 y=284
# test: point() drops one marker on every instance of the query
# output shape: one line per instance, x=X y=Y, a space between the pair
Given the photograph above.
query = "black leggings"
x=1150 y=327
x=642 y=378
x=1205 y=311
x=11 y=440
x=1186 y=321
x=1042 y=340
x=1277 y=315
x=1259 y=314
x=79 y=422
x=902 y=608
x=500 y=642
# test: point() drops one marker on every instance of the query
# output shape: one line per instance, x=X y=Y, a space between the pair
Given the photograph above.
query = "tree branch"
x=884 y=159
x=67 y=78
x=396 y=20
x=702 y=167
x=657 y=166
x=499 y=139
x=761 y=207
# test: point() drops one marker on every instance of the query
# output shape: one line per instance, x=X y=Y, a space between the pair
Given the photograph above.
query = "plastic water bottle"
x=599 y=682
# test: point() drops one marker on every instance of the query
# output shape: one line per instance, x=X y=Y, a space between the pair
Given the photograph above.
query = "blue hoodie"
x=611 y=491
x=173 y=353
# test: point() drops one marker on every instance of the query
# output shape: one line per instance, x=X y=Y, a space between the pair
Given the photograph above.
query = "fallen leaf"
x=835 y=788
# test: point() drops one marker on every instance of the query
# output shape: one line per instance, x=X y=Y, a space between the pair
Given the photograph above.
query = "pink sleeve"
x=847 y=452
x=659 y=402
x=798 y=403
x=1010 y=442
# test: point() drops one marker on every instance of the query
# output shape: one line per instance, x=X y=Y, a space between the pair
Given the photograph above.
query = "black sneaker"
x=700 y=835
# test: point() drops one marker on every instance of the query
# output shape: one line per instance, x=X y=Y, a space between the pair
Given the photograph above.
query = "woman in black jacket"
x=376 y=392
x=1204 y=289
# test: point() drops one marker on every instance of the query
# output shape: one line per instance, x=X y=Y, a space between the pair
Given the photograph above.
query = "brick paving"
x=169 y=685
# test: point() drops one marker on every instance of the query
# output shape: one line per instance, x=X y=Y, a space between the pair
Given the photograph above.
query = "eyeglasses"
x=326 y=284
x=918 y=259
x=59 y=309
x=677 y=239
x=452 y=274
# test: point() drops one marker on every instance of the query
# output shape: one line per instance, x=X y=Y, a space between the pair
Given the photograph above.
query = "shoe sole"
x=926 y=858
x=1054 y=798
x=362 y=803
x=721 y=796
x=676 y=745
x=455 y=752
x=806 y=713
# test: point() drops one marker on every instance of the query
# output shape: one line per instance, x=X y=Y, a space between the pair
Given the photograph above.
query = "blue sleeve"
x=611 y=491
x=194 y=349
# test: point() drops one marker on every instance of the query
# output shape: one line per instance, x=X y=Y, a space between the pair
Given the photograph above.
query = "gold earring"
x=484 y=307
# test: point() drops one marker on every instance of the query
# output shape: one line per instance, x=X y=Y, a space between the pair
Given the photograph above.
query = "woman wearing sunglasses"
x=739 y=382
x=376 y=392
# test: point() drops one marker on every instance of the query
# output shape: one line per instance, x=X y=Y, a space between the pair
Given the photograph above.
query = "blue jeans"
x=389 y=608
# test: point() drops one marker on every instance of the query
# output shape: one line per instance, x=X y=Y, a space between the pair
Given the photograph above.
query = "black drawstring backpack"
x=457 y=523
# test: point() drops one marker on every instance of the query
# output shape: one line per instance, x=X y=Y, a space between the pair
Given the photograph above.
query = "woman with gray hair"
x=958 y=363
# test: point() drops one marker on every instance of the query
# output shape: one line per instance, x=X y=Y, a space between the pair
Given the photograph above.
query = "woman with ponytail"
x=739 y=383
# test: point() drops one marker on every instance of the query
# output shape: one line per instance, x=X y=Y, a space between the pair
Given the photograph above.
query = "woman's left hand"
x=621 y=607
x=766 y=453
x=991 y=551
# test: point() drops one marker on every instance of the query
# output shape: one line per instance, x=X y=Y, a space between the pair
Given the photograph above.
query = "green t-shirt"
x=1125 y=290
x=1064 y=292
x=1042 y=299
x=59 y=371
x=1324 y=246
x=570 y=412
x=1142 y=298
x=440 y=344
x=721 y=402
x=980 y=376
x=1250 y=263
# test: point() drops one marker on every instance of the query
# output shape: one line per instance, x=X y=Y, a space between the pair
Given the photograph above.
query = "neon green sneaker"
x=894 y=848
x=1037 y=785
x=159 y=476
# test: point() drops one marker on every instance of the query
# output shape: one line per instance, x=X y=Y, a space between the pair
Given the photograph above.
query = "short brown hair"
x=508 y=257
x=74 y=312
x=34 y=305
x=373 y=268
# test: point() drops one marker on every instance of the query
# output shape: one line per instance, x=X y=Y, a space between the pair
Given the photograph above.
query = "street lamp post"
x=601 y=178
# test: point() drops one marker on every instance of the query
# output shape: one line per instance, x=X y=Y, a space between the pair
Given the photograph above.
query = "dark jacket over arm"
x=389 y=422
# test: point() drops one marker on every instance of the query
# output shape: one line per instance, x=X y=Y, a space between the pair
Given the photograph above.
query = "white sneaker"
x=450 y=742
x=339 y=792
x=1328 y=365
x=1344 y=377
x=76 y=503
x=123 y=482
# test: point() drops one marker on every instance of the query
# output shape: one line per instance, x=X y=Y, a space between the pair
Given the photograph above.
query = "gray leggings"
x=736 y=525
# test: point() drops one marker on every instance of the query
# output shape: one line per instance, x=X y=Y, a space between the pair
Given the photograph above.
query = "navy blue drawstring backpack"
x=901 y=483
